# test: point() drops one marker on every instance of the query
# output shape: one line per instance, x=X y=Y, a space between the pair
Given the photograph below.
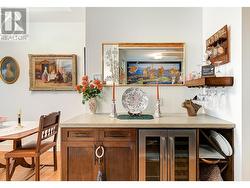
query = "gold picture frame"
x=116 y=58
x=9 y=70
x=53 y=72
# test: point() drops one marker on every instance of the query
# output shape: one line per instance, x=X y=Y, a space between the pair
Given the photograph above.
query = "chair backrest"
x=48 y=127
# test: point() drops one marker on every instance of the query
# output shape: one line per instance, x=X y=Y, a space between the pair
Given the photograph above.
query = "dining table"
x=10 y=130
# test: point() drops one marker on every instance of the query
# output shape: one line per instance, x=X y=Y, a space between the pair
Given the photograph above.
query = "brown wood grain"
x=119 y=161
x=19 y=136
x=80 y=162
x=176 y=45
x=78 y=152
x=118 y=135
x=129 y=44
x=211 y=82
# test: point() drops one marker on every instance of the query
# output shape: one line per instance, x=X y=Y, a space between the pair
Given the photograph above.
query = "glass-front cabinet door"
x=151 y=155
x=167 y=155
x=182 y=155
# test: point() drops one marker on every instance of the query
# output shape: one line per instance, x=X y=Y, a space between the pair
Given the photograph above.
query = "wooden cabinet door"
x=79 y=162
x=181 y=155
x=120 y=161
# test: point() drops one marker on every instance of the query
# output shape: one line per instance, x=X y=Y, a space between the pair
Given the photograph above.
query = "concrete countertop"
x=166 y=121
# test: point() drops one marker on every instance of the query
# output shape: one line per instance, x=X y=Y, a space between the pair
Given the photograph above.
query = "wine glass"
x=222 y=96
x=215 y=98
x=209 y=95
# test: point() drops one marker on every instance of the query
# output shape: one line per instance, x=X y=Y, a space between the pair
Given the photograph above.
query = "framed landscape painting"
x=153 y=72
x=53 y=72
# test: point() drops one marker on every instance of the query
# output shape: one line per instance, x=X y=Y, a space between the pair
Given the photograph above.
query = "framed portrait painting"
x=9 y=70
x=53 y=72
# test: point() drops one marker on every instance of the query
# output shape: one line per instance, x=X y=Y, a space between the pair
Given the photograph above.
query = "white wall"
x=245 y=93
x=45 y=38
x=190 y=25
x=145 y=25
x=231 y=110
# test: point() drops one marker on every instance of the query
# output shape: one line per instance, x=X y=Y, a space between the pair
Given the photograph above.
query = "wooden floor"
x=47 y=173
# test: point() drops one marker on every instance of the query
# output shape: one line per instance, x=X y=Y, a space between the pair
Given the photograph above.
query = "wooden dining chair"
x=46 y=139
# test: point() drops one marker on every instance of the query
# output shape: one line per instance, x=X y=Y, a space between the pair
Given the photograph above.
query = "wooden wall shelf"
x=211 y=82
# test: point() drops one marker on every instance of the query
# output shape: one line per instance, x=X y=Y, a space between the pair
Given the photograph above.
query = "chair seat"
x=29 y=150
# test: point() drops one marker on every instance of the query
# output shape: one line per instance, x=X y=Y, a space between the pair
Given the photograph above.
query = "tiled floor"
x=47 y=173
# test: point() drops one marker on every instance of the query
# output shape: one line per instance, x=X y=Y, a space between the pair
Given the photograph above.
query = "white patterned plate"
x=134 y=100
x=222 y=142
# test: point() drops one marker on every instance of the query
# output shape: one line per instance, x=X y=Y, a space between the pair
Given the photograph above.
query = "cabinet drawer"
x=118 y=134
x=80 y=134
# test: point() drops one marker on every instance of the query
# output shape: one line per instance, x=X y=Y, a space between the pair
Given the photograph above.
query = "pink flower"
x=92 y=86
x=85 y=83
x=86 y=78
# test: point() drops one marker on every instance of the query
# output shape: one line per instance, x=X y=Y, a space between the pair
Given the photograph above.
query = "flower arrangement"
x=89 y=88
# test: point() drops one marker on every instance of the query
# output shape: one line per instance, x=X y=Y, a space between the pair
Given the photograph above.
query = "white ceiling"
x=56 y=14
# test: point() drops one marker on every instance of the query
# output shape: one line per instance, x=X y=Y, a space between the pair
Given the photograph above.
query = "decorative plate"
x=222 y=143
x=134 y=100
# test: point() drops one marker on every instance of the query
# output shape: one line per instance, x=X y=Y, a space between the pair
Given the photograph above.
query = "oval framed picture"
x=9 y=70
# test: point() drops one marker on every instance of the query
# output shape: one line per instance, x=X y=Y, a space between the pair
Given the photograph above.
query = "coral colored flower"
x=97 y=82
x=100 y=86
x=84 y=89
x=85 y=78
x=78 y=87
